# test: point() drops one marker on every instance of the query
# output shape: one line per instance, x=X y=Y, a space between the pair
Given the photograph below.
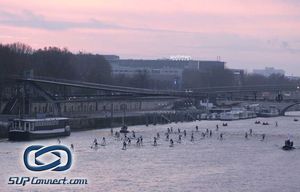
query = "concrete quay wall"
x=99 y=122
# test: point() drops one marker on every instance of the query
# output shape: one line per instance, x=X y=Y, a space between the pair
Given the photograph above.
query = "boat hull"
x=124 y=131
x=27 y=136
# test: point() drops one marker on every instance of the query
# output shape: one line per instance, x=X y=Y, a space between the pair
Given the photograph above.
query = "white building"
x=269 y=71
x=166 y=70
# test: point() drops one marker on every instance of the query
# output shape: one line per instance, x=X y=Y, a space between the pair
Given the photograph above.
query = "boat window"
x=22 y=125
x=17 y=125
x=31 y=126
x=26 y=126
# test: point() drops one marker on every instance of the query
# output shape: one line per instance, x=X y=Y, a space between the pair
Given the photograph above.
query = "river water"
x=209 y=164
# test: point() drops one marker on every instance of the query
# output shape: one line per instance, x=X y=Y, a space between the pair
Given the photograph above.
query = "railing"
x=186 y=92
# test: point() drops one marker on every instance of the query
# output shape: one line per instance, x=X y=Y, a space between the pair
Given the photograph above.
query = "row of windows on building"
x=85 y=107
x=153 y=71
x=91 y=107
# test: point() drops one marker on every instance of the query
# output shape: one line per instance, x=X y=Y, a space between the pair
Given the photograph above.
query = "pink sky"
x=246 y=34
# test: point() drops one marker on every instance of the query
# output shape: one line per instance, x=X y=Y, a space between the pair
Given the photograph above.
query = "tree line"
x=218 y=77
x=212 y=78
x=53 y=62
x=57 y=62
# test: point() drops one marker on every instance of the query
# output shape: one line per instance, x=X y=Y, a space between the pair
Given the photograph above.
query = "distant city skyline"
x=245 y=34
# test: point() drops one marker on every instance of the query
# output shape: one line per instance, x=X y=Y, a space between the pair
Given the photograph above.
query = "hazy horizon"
x=246 y=35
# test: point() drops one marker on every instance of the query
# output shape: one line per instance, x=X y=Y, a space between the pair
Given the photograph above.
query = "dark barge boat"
x=30 y=129
x=124 y=129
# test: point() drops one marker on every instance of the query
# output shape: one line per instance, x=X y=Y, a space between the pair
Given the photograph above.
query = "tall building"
x=269 y=71
x=238 y=75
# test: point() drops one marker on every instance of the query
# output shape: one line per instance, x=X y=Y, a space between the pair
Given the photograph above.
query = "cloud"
x=29 y=19
x=236 y=30
x=284 y=45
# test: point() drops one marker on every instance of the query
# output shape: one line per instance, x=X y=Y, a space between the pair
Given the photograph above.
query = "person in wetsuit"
x=167 y=137
x=103 y=141
x=124 y=145
x=129 y=141
x=192 y=137
x=141 y=140
x=179 y=138
x=171 y=143
x=154 y=142
x=95 y=142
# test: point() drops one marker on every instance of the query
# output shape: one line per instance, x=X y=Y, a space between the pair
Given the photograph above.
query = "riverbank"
x=88 y=122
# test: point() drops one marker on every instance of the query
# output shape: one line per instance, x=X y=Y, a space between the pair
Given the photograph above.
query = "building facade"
x=268 y=71
x=238 y=75
x=103 y=107
x=168 y=70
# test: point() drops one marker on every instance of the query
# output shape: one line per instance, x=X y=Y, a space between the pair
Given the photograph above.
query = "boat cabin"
x=38 y=124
